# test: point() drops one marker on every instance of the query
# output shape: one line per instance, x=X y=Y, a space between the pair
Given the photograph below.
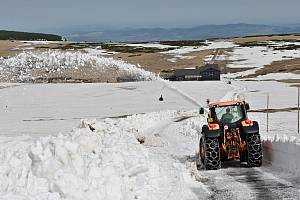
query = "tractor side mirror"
x=201 y=111
x=247 y=107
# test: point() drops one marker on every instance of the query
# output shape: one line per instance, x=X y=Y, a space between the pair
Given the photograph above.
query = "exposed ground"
x=152 y=58
x=7 y=47
x=156 y=62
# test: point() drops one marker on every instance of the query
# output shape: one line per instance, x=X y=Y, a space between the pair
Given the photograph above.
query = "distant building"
x=210 y=72
x=204 y=73
x=187 y=75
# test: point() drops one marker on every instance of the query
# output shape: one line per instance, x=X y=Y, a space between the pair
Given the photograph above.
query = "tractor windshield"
x=229 y=114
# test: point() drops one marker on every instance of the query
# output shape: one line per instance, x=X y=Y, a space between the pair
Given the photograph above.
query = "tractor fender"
x=249 y=130
x=210 y=133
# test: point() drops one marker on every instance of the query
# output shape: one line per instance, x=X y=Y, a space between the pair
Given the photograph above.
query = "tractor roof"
x=225 y=103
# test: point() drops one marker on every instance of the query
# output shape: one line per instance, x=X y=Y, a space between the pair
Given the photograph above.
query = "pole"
x=298 y=108
x=268 y=99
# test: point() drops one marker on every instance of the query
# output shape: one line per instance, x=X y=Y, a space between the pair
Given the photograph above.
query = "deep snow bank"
x=107 y=163
x=283 y=154
x=19 y=68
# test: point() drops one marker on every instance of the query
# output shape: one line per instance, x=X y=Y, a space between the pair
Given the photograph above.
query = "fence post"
x=298 y=108
x=268 y=99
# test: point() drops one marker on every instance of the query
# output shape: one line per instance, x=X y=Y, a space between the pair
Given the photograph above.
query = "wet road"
x=236 y=182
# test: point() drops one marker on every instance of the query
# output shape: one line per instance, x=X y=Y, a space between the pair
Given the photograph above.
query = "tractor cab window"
x=229 y=114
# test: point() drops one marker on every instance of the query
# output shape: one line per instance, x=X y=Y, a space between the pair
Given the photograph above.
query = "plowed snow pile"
x=107 y=163
x=20 y=67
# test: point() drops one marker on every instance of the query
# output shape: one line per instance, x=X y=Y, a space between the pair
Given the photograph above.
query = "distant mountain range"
x=194 y=33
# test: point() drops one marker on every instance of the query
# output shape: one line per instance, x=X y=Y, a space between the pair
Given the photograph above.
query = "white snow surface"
x=282 y=154
x=98 y=51
x=21 y=65
x=257 y=57
x=277 y=76
x=43 y=109
x=108 y=163
x=147 y=45
x=210 y=45
x=179 y=53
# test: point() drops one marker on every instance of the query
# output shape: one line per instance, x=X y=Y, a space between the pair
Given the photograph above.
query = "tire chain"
x=254 y=150
x=212 y=154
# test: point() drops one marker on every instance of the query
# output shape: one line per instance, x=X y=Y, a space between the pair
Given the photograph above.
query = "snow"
x=211 y=45
x=43 y=109
x=277 y=76
x=106 y=164
x=256 y=57
x=283 y=155
x=41 y=42
x=179 y=53
x=98 y=51
x=259 y=56
x=147 y=45
x=20 y=67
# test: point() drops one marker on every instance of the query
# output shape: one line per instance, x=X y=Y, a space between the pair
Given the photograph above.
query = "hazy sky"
x=53 y=15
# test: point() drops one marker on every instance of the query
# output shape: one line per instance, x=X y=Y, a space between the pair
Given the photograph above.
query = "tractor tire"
x=211 y=154
x=254 y=148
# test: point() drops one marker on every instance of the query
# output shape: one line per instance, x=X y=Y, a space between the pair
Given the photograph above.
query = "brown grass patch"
x=155 y=62
x=7 y=47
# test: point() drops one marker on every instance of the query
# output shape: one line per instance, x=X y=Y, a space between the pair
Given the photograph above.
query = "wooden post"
x=298 y=108
x=268 y=99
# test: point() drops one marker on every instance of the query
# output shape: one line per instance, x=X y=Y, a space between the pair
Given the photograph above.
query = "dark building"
x=210 y=72
x=206 y=72
x=187 y=74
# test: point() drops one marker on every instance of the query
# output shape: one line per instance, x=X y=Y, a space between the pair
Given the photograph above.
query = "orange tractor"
x=229 y=135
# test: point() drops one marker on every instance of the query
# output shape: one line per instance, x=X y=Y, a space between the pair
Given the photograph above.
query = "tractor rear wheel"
x=210 y=153
x=254 y=148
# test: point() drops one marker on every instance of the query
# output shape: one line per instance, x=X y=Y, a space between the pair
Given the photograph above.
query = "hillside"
x=16 y=35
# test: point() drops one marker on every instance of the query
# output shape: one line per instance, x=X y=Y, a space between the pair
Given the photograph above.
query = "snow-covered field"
x=42 y=109
x=276 y=76
x=180 y=53
x=258 y=56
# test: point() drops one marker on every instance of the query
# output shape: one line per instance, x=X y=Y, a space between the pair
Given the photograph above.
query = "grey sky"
x=39 y=15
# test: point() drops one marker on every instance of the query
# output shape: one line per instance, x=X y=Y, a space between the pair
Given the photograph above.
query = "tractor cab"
x=228 y=113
